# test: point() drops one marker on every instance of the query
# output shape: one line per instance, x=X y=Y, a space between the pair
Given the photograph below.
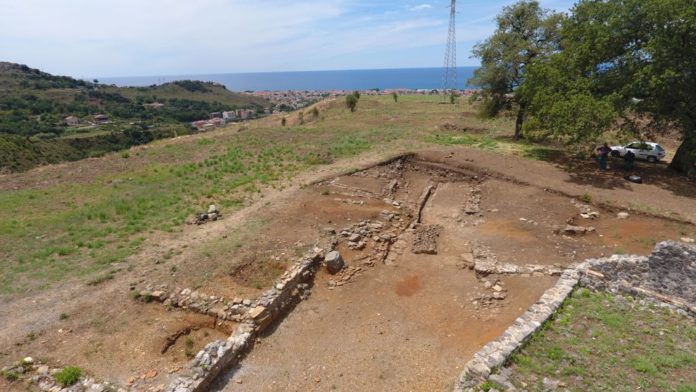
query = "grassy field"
x=600 y=343
x=85 y=230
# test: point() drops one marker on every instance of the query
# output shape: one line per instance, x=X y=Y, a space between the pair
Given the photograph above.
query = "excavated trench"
x=447 y=259
x=439 y=260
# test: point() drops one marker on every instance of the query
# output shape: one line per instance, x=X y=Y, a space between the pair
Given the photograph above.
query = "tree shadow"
x=585 y=171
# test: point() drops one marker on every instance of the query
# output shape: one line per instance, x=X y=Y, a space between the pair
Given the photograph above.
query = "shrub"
x=352 y=102
x=10 y=376
x=68 y=375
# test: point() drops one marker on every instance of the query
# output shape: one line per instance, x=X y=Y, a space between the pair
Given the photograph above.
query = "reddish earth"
x=409 y=324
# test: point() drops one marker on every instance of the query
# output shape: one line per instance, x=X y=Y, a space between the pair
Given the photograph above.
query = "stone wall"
x=667 y=277
x=220 y=355
x=495 y=353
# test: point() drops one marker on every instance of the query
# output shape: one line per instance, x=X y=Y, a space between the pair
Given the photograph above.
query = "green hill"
x=34 y=106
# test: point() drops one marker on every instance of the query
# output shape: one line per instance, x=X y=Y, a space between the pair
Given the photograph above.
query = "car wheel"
x=615 y=154
x=652 y=159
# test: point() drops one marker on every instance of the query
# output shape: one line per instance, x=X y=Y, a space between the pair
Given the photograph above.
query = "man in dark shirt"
x=603 y=156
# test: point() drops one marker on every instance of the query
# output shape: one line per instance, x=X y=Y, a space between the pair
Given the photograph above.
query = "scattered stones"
x=213 y=214
x=334 y=262
x=425 y=239
x=576 y=230
x=622 y=215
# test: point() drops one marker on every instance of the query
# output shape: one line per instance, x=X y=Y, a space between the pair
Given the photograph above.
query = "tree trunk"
x=519 y=122
x=684 y=160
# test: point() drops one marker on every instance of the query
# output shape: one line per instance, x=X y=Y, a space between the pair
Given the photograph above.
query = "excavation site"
x=420 y=262
x=400 y=276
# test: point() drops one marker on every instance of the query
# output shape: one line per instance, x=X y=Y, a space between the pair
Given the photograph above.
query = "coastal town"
x=291 y=100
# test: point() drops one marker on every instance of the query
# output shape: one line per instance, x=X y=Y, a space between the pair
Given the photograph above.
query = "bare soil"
x=412 y=323
x=407 y=324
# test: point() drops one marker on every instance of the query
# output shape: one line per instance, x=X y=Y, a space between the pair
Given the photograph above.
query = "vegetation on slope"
x=35 y=104
x=81 y=229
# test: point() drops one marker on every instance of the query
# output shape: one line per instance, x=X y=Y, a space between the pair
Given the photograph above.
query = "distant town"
x=291 y=100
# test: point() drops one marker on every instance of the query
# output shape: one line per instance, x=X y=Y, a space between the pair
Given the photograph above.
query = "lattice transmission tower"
x=449 y=79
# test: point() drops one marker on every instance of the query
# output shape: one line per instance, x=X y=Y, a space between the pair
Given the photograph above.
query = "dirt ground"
x=408 y=323
x=412 y=323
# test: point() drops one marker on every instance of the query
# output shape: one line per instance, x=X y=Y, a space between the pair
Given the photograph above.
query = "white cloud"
x=420 y=7
x=163 y=37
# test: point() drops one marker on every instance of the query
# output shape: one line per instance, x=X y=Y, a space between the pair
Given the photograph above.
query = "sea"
x=364 y=79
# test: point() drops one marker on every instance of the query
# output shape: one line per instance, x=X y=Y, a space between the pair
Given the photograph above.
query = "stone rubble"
x=669 y=271
x=213 y=214
x=574 y=230
x=219 y=355
x=40 y=376
x=187 y=299
x=473 y=202
x=425 y=239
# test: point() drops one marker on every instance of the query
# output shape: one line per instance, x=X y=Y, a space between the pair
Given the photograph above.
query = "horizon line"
x=270 y=72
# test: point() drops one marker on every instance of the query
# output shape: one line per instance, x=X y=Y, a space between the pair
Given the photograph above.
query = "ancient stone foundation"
x=667 y=277
x=221 y=355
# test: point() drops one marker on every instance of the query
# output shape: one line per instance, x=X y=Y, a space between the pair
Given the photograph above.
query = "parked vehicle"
x=648 y=151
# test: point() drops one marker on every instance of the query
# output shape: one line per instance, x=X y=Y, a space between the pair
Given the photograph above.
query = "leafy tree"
x=352 y=101
x=525 y=33
x=621 y=60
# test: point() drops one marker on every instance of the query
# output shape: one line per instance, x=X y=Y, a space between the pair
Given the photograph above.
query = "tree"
x=525 y=33
x=352 y=101
x=622 y=60
x=396 y=97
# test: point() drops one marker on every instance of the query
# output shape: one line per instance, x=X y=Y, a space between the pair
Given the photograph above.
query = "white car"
x=649 y=151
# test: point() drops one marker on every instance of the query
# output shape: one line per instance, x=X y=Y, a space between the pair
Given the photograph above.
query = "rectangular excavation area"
x=440 y=261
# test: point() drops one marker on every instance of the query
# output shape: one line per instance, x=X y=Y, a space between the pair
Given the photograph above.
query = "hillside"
x=43 y=115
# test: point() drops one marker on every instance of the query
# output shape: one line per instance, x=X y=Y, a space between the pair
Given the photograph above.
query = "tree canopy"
x=619 y=60
x=525 y=33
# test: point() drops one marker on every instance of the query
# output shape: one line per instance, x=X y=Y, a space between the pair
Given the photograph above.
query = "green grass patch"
x=599 y=343
x=478 y=141
x=68 y=375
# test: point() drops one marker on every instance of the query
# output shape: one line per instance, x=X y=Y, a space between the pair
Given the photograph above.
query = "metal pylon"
x=449 y=80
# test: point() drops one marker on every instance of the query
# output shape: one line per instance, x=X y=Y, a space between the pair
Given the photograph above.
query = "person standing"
x=603 y=156
x=629 y=160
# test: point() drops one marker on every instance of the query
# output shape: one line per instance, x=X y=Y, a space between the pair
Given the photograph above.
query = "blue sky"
x=92 y=38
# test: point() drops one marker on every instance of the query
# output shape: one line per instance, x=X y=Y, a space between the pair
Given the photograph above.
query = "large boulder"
x=334 y=262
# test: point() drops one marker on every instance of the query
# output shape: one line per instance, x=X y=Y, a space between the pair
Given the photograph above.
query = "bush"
x=352 y=102
x=68 y=375
x=10 y=376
